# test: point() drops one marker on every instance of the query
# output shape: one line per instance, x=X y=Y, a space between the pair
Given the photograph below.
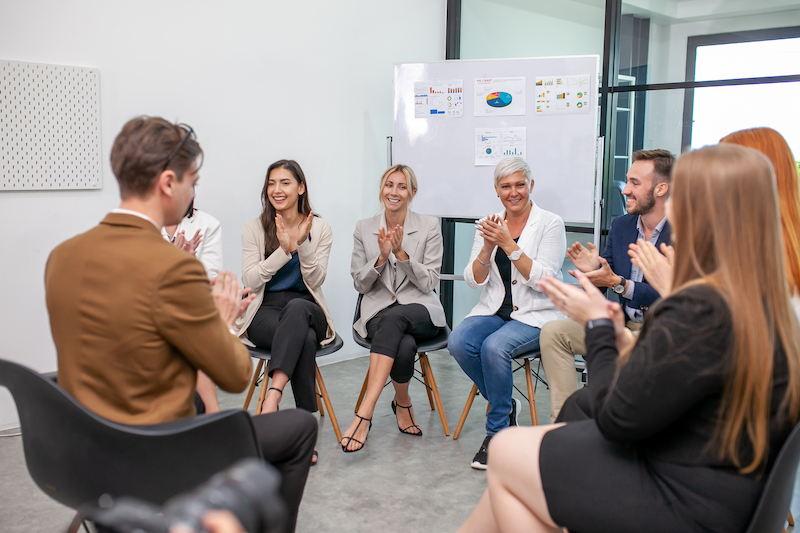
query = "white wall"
x=258 y=81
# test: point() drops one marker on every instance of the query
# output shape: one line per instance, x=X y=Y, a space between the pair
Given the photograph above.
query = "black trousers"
x=395 y=332
x=287 y=440
x=291 y=325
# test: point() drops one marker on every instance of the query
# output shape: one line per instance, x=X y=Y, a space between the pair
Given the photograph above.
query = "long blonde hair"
x=772 y=144
x=726 y=234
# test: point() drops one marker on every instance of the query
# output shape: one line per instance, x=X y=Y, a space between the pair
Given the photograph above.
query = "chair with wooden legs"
x=264 y=356
x=426 y=372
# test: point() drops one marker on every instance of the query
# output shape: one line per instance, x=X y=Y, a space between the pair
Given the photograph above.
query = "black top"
x=504 y=265
x=667 y=397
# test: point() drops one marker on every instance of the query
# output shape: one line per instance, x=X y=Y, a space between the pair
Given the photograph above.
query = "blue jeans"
x=483 y=346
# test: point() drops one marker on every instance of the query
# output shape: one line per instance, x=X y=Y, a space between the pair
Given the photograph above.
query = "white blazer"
x=544 y=241
x=415 y=279
x=258 y=270
x=210 y=250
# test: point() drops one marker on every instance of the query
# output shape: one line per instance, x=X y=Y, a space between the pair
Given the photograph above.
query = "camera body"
x=248 y=489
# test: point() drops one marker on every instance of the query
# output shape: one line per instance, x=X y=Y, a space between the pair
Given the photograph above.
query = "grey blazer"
x=415 y=279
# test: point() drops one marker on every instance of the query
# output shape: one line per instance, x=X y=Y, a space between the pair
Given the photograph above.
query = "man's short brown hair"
x=141 y=151
x=662 y=163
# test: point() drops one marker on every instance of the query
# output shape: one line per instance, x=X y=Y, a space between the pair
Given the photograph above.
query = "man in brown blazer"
x=134 y=318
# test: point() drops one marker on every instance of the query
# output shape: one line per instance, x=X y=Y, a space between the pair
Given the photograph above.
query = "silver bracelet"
x=481 y=262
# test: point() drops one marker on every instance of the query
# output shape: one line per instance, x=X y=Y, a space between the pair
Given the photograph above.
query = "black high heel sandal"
x=351 y=439
x=281 y=393
x=413 y=425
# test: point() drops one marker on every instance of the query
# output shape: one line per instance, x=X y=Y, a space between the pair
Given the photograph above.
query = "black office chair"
x=75 y=456
x=439 y=342
x=773 y=506
x=264 y=356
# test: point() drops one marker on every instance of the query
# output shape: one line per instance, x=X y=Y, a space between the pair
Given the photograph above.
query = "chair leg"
x=423 y=358
x=264 y=388
x=319 y=399
x=472 y=394
x=363 y=391
x=327 y=399
x=432 y=380
x=790 y=519
x=253 y=384
x=531 y=393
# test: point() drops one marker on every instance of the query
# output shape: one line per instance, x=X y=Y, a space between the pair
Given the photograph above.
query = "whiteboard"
x=441 y=148
x=49 y=127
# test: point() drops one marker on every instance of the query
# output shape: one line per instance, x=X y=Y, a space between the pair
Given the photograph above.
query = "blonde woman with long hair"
x=687 y=426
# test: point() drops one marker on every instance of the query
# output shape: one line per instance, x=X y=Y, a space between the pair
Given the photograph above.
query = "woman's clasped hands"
x=494 y=231
x=391 y=241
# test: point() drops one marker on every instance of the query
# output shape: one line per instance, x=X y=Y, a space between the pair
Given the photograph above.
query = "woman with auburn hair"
x=689 y=417
x=284 y=262
x=396 y=259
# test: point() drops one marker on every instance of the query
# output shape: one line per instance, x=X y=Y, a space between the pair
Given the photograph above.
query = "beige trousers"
x=560 y=341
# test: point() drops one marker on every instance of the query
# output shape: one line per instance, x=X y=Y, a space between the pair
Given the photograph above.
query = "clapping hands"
x=391 y=241
x=585 y=259
x=188 y=245
x=230 y=298
x=657 y=268
x=494 y=231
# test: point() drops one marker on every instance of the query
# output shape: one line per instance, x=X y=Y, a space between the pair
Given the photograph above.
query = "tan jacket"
x=258 y=270
x=414 y=279
x=133 y=320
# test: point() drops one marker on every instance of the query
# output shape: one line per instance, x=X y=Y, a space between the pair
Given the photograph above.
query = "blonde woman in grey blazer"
x=396 y=259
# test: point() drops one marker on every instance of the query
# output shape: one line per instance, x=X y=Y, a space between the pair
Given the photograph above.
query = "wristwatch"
x=619 y=288
x=598 y=322
x=516 y=254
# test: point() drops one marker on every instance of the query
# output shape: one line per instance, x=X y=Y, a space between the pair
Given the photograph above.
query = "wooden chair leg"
x=423 y=358
x=436 y=396
x=264 y=387
x=531 y=393
x=319 y=400
x=465 y=412
x=791 y=519
x=253 y=384
x=363 y=391
x=327 y=399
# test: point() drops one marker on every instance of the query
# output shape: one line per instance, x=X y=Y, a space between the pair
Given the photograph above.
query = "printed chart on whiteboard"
x=493 y=144
x=499 y=96
x=439 y=98
x=562 y=95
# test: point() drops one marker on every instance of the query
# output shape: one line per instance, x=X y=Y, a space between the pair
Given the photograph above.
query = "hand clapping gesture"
x=390 y=241
x=494 y=231
x=304 y=229
x=584 y=259
x=229 y=297
x=657 y=268
x=188 y=245
x=283 y=236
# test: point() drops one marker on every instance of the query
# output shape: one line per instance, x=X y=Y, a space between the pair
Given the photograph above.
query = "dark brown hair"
x=268 y=214
x=662 y=163
x=142 y=149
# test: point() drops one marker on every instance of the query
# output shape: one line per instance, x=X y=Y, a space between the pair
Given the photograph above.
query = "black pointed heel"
x=413 y=425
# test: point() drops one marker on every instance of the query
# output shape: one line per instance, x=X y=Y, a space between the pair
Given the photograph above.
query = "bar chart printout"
x=494 y=144
x=439 y=99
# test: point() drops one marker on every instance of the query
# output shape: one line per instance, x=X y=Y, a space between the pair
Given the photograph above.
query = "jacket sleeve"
x=469 y=275
x=362 y=268
x=314 y=261
x=425 y=275
x=211 y=256
x=255 y=271
x=643 y=295
x=187 y=318
x=548 y=257
x=677 y=361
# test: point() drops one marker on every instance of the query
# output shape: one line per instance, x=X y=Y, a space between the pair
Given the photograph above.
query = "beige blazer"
x=258 y=270
x=133 y=320
x=415 y=279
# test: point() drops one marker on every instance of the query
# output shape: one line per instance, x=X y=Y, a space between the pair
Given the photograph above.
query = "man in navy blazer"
x=646 y=192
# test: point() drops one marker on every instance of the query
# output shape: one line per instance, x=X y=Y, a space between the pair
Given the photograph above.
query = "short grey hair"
x=510 y=165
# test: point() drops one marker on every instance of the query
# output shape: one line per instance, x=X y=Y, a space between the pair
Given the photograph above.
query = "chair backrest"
x=75 y=456
x=773 y=506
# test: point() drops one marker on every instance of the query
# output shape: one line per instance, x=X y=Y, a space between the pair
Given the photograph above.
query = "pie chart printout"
x=498 y=99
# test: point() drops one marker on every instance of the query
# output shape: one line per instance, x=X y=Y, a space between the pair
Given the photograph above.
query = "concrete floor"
x=396 y=483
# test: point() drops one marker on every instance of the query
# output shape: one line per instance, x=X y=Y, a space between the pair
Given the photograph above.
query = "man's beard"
x=645 y=205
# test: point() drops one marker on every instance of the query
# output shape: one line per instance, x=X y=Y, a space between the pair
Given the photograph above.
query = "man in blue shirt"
x=647 y=190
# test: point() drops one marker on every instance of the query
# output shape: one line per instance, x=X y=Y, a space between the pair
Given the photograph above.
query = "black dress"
x=646 y=460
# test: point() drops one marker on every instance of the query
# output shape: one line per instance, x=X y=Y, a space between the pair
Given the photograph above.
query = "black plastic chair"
x=773 y=506
x=264 y=356
x=439 y=342
x=75 y=456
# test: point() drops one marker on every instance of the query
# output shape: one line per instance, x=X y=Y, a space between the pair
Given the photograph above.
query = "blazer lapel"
x=530 y=227
x=410 y=244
